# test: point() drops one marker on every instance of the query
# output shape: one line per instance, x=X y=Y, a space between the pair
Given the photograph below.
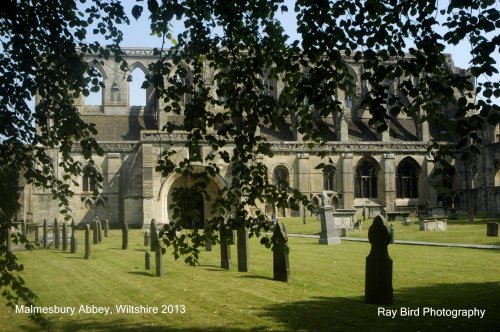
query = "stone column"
x=148 y=165
x=304 y=177
x=431 y=194
x=390 y=182
x=347 y=181
x=343 y=128
x=423 y=133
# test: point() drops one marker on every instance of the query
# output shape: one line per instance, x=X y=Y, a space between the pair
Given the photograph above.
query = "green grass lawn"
x=325 y=294
x=459 y=231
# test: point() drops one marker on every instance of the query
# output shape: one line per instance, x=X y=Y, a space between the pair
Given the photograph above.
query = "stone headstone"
x=37 y=234
x=73 y=241
x=64 y=236
x=106 y=228
x=146 y=238
x=242 y=247
x=56 y=233
x=328 y=233
x=95 y=231
x=87 y=242
x=378 y=278
x=124 y=235
x=225 y=249
x=45 y=233
x=99 y=231
x=147 y=260
x=492 y=229
x=153 y=234
x=281 y=265
x=159 y=261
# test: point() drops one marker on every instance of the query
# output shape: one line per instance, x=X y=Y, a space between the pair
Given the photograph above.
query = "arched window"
x=407 y=179
x=328 y=177
x=95 y=87
x=88 y=183
x=136 y=93
x=365 y=179
x=281 y=178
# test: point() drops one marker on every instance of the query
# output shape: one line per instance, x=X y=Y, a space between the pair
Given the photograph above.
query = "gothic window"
x=328 y=178
x=365 y=179
x=407 y=179
x=281 y=178
x=88 y=183
x=137 y=94
x=95 y=87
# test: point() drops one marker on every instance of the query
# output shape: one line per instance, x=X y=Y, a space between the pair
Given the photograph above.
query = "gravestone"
x=95 y=231
x=99 y=230
x=153 y=234
x=242 y=247
x=87 y=242
x=37 y=234
x=281 y=265
x=73 y=242
x=64 y=236
x=146 y=238
x=106 y=228
x=378 y=278
x=392 y=233
x=45 y=233
x=492 y=229
x=124 y=236
x=159 y=261
x=328 y=233
x=225 y=249
x=56 y=233
x=147 y=260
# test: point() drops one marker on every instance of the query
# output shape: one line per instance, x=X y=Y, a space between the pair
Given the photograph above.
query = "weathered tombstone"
x=242 y=247
x=64 y=236
x=281 y=266
x=124 y=235
x=378 y=278
x=492 y=229
x=106 y=228
x=87 y=242
x=99 y=230
x=159 y=261
x=95 y=231
x=225 y=249
x=153 y=233
x=45 y=233
x=328 y=233
x=73 y=242
x=147 y=260
x=56 y=233
x=146 y=238
x=37 y=234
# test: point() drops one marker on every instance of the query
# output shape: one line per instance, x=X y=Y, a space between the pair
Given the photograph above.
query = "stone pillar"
x=390 y=182
x=423 y=134
x=304 y=177
x=242 y=246
x=281 y=265
x=431 y=194
x=328 y=233
x=343 y=128
x=347 y=181
x=378 y=277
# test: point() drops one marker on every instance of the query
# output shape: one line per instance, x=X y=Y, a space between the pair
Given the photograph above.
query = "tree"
x=241 y=46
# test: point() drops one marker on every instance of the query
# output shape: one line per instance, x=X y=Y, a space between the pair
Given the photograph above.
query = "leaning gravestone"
x=378 y=278
x=64 y=236
x=492 y=229
x=73 y=242
x=124 y=235
x=328 y=233
x=242 y=247
x=159 y=261
x=45 y=233
x=56 y=233
x=281 y=266
x=87 y=242
x=225 y=249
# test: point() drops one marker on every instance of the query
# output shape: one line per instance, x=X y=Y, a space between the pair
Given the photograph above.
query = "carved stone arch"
x=281 y=176
x=97 y=65
x=151 y=100
x=140 y=65
x=96 y=99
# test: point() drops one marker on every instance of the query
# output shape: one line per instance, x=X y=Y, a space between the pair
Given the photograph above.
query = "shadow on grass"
x=332 y=313
x=249 y=276
x=142 y=273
